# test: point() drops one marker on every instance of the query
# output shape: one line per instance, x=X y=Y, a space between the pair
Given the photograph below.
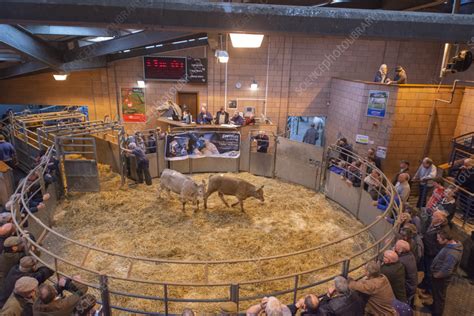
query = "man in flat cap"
x=26 y=267
x=13 y=251
x=51 y=302
x=21 y=301
x=228 y=309
x=6 y=228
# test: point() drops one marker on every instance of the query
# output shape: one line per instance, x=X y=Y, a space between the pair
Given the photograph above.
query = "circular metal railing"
x=63 y=265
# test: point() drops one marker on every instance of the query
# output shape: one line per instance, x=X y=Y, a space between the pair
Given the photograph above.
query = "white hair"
x=273 y=307
x=132 y=146
x=341 y=285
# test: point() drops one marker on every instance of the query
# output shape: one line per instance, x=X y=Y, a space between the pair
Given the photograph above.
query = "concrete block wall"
x=465 y=123
x=404 y=128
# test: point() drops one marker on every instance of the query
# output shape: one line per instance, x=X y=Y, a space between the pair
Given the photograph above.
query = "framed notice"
x=200 y=144
x=196 y=70
x=133 y=105
x=381 y=152
x=377 y=105
x=362 y=139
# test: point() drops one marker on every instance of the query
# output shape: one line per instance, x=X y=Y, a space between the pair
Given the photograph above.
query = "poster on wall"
x=377 y=105
x=133 y=105
x=197 y=144
x=381 y=152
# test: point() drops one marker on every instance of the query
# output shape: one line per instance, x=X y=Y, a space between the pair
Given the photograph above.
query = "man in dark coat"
x=312 y=135
x=443 y=267
x=395 y=273
x=404 y=168
x=439 y=222
x=222 y=117
x=308 y=306
x=400 y=76
x=346 y=149
x=48 y=304
x=407 y=258
x=13 y=251
x=27 y=267
x=341 y=301
x=263 y=142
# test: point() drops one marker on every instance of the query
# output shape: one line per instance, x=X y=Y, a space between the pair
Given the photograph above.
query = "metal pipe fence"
x=105 y=284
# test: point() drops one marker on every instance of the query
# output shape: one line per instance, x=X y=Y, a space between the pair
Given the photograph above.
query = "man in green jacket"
x=21 y=301
x=51 y=303
x=13 y=251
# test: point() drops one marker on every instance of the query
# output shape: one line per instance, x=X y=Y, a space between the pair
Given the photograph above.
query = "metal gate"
x=79 y=163
x=298 y=162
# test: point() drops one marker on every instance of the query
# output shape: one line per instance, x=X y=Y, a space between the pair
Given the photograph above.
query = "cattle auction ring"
x=156 y=257
x=135 y=222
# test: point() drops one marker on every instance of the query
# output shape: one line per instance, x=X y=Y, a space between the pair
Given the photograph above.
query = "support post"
x=165 y=295
x=234 y=294
x=345 y=268
x=295 y=289
x=105 y=295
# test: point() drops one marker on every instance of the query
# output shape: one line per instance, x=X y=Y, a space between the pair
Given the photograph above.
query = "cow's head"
x=259 y=194
x=201 y=189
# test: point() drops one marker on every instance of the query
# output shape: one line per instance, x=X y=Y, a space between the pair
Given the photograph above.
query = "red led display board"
x=165 y=68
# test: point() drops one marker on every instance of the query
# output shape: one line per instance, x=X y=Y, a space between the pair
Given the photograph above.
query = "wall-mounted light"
x=254 y=85
x=60 y=76
x=242 y=40
x=141 y=83
x=222 y=56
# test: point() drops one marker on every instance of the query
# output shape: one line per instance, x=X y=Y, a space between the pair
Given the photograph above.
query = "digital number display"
x=165 y=68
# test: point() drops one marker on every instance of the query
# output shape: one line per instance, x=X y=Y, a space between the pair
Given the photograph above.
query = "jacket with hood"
x=447 y=261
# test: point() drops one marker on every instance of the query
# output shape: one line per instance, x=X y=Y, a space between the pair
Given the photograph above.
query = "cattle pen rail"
x=105 y=284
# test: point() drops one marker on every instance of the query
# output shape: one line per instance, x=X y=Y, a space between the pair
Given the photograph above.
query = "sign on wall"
x=197 y=144
x=362 y=139
x=133 y=105
x=196 y=70
x=377 y=105
x=165 y=68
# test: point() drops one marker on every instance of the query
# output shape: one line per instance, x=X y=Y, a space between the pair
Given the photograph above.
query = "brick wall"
x=404 y=128
x=465 y=123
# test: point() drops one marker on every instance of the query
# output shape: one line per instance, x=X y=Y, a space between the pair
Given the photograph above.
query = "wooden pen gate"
x=79 y=163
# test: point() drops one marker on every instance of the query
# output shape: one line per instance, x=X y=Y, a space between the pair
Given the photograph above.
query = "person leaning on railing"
x=14 y=250
x=52 y=302
x=340 y=300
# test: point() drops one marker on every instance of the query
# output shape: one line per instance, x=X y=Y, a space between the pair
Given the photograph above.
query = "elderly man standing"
x=26 y=267
x=21 y=301
x=443 y=267
x=425 y=174
x=439 y=223
x=51 y=302
x=341 y=301
x=395 y=273
x=407 y=258
x=377 y=286
x=13 y=251
x=403 y=187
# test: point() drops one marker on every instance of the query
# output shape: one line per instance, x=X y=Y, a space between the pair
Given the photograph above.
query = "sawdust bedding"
x=132 y=220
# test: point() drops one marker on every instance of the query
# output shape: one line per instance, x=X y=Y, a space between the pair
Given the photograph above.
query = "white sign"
x=362 y=139
x=381 y=152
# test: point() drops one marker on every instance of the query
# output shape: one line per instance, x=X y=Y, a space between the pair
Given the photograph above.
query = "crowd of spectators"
x=24 y=282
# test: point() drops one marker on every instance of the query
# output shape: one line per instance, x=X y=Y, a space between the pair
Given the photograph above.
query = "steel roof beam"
x=225 y=17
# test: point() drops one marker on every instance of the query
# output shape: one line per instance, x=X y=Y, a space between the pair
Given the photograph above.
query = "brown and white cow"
x=225 y=185
x=187 y=189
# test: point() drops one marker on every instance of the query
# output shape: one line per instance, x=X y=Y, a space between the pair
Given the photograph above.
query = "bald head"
x=390 y=256
x=403 y=177
x=311 y=303
x=438 y=218
x=402 y=246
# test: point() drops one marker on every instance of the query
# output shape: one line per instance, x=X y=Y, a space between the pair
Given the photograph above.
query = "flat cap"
x=27 y=262
x=228 y=307
x=25 y=285
x=12 y=241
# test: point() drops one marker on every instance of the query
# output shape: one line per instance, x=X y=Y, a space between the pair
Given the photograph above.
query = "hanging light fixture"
x=60 y=76
x=254 y=85
x=221 y=54
x=242 y=40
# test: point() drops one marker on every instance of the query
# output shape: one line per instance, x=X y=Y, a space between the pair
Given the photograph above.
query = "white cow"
x=187 y=189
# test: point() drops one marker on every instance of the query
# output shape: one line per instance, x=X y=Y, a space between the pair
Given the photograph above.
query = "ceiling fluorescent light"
x=100 y=39
x=222 y=56
x=60 y=77
x=141 y=83
x=240 y=40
